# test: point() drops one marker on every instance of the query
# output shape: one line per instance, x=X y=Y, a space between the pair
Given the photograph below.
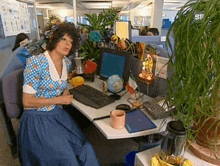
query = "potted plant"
x=90 y=51
x=97 y=23
x=194 y=87
x=110 y=16
x=53 y=19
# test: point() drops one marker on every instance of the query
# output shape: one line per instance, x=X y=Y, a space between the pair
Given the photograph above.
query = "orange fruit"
x=76 y=81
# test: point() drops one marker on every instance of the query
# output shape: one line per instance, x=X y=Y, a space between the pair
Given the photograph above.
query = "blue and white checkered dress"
x=49 y=136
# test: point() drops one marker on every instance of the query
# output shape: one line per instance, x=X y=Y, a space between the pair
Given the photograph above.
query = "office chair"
x=11 y=104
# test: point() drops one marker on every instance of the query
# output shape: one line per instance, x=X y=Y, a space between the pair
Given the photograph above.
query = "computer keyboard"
x=90 y=96
x=156 y=110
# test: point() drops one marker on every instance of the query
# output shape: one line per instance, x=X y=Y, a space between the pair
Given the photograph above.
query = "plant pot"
x=206 y=135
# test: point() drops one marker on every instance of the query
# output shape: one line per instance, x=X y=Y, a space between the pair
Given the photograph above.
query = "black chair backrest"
x=12 y=93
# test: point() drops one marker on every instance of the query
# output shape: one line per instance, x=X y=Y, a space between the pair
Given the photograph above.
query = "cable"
x=124 y=93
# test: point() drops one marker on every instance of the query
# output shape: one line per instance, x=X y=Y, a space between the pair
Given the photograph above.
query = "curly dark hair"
x=63 y=29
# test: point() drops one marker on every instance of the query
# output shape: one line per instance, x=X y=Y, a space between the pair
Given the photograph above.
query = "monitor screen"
x=108 y=60
x=114 y=62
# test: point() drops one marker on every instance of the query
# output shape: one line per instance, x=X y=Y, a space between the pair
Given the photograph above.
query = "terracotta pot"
x=206 y=136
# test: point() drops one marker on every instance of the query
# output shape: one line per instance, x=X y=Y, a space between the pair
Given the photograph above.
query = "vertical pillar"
x=131 y=15
x=74 y=12
x=45 y=16
x=35 y=15
x=156 y=15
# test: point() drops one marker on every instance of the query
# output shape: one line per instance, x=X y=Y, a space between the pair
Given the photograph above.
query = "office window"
x=124 y=18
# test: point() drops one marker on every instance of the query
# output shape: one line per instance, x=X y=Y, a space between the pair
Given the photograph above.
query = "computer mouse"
x=123 y=107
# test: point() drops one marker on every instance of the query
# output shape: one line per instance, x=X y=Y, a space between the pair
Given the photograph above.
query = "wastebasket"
x=130 y=158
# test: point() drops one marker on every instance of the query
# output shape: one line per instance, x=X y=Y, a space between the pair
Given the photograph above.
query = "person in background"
x=48 y=135
x=21 y=40
x=18 y=58
x=144 y=31
x=146 y=28
x=152 y=32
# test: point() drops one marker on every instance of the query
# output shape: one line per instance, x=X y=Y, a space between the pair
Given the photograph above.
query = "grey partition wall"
x=159 y=85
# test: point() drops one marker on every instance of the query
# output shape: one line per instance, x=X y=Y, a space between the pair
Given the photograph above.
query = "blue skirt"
x=53 y=139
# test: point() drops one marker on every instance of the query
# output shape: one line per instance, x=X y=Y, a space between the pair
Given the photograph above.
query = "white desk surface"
x=144 y=158
x=104 y=124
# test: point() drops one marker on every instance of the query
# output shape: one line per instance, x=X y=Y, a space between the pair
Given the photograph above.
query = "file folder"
x=138 y=121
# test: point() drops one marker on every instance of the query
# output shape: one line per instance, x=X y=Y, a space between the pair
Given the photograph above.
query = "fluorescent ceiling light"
x=119 y=2
x=54 y=5
x=97 y=4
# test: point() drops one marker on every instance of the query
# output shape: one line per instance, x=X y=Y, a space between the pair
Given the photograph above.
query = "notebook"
x=138 y=121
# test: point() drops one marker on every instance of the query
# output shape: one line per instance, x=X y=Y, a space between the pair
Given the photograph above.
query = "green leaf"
x=195 y=61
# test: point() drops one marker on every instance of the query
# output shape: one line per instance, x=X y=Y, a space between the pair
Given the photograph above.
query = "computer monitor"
x=114 y=62
x=123 y=29
x=135 y=32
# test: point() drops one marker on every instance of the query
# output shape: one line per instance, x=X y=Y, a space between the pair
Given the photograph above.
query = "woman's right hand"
x=65 y=99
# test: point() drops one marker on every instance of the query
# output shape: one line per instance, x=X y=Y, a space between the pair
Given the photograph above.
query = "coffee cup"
x=117 y=119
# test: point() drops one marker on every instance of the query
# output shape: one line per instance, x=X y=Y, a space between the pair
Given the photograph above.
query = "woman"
x=152 y=32
x=21 y=40
x=48 y=136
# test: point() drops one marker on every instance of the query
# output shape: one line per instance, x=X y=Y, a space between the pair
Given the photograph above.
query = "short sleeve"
x=31 y=75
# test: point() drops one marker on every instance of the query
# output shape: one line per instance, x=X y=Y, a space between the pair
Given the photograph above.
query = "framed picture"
x=161 y=67
x=123 y=29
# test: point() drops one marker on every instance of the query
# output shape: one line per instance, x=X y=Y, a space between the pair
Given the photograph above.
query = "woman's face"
x=24 y=42
x=64 y=45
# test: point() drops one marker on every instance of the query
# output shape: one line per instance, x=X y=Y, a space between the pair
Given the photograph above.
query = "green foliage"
x=53 y=19
x=110 y=15
x=96 y=23
x=90 y=51
x=195 y=82
x=99 y=23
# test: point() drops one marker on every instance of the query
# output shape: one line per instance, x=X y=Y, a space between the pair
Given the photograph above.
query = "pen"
x=108 y=116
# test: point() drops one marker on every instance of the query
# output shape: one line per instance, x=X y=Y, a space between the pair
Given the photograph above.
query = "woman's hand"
x=65 y=99
x=29 y=100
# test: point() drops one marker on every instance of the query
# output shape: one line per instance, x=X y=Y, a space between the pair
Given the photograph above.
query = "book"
x=137 y=121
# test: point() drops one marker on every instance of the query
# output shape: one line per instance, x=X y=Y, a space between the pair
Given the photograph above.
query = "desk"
x=104 y=124
x=144 y=158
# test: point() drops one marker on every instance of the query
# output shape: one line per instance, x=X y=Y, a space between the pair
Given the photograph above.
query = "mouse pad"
x=138 y=121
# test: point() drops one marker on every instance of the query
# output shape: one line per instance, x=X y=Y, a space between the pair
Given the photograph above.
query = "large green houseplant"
x=99 y=23
x=90 y=51
x=110 y=16
x=194 y=87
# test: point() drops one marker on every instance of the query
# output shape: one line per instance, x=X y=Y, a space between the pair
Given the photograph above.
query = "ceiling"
x=100 y=4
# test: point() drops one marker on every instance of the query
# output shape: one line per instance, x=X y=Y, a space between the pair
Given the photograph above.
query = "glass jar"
x=173 y=143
